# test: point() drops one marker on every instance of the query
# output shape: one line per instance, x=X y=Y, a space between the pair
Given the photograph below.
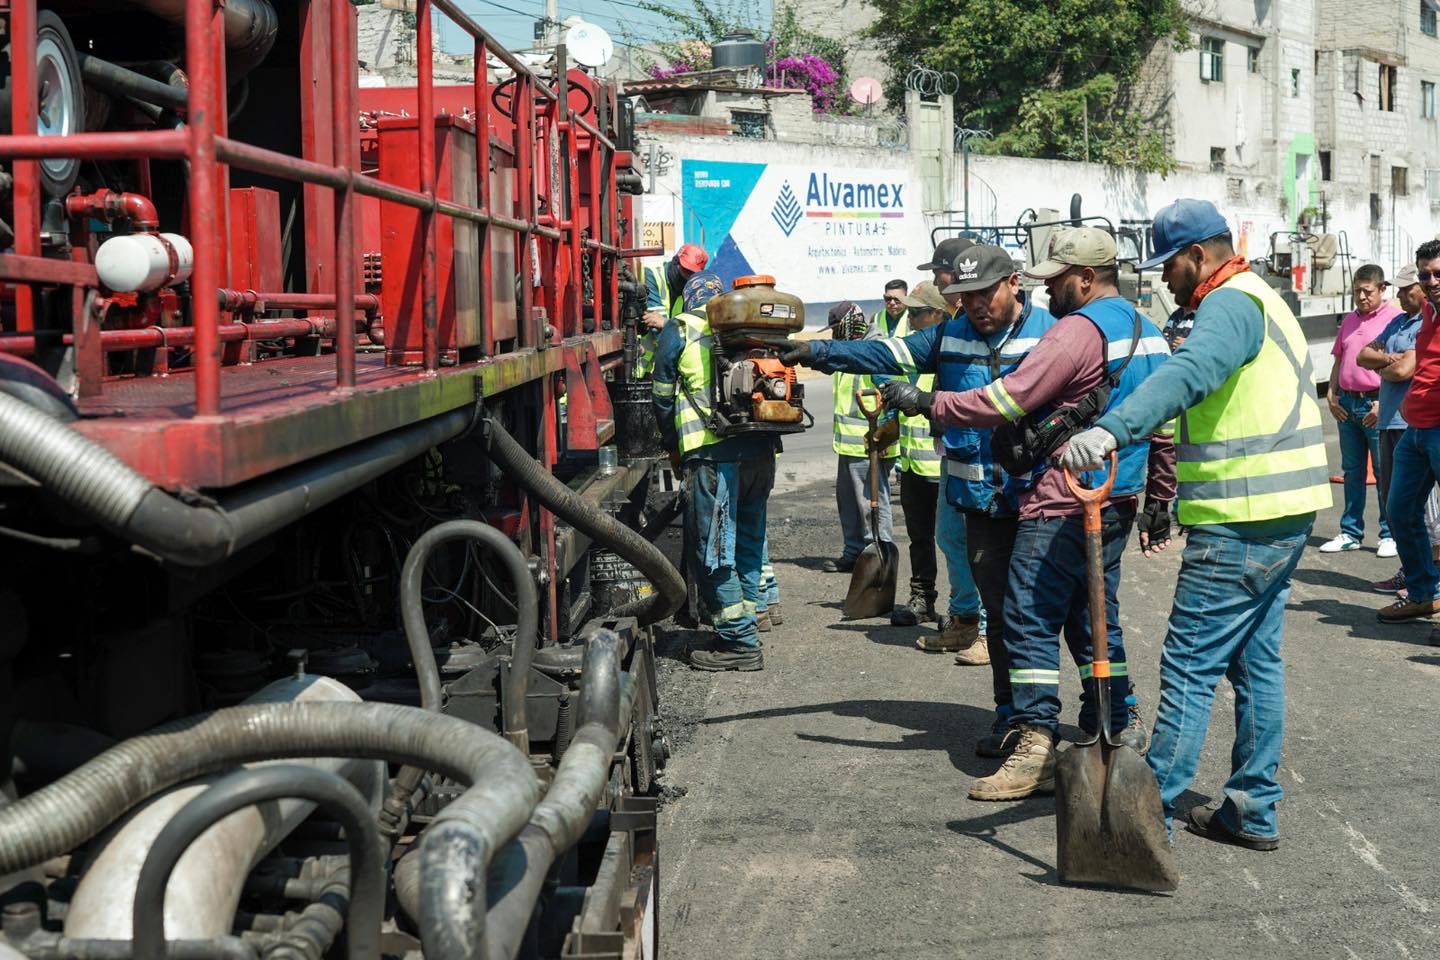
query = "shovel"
x=872 y=582
x=1108 y=818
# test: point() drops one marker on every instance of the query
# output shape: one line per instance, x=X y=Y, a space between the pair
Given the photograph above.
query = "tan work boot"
x=953 y=634
x=1028 y=770
x=975 y=655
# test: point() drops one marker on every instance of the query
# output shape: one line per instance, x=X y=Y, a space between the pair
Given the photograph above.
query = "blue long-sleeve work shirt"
x=1229 y=330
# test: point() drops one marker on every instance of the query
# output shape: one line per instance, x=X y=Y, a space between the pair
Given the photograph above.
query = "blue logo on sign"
x=786 y=212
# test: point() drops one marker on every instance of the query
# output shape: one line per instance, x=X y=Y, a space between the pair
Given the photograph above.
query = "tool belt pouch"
x=1022 y=446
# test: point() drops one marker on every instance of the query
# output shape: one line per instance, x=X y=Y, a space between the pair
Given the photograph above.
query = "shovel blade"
x=1110 y=825
x=872 y=582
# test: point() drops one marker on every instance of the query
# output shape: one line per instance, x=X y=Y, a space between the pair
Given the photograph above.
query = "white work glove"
x=1088 y=449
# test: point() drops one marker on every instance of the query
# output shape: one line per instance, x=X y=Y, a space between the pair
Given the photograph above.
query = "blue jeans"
x=1048 y=594
x=725 y=505
x=1228 y=618
x=950 y=535
x=769 y=586
x=1357 y=442
x=1415 y=468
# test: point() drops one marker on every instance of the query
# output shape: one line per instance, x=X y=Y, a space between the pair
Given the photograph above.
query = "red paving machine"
x=316 y=419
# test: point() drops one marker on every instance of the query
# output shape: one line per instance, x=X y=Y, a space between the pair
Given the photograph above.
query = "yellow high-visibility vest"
x=1255 y=448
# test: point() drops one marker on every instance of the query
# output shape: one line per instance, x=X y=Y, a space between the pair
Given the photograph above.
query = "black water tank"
x=738 y=50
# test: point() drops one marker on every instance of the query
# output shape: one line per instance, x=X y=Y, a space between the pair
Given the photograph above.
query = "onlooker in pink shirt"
x=1354 y=398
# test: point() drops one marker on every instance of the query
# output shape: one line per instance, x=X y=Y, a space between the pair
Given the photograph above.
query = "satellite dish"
x=589 y=45
x=866 y=91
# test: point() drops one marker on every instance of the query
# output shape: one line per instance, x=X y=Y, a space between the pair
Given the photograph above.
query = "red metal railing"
x=205 y=143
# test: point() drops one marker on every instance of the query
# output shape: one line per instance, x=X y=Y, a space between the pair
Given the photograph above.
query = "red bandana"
x=1228 y=269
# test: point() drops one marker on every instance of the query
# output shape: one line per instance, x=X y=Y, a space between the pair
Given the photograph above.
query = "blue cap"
x=701 y=289
x=1182 y=223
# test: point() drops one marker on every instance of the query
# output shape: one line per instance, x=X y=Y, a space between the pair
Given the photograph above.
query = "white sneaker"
x=1386 y=548
x=1339 y=544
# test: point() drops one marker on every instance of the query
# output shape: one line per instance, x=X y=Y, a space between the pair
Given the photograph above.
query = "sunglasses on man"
x=892 y=299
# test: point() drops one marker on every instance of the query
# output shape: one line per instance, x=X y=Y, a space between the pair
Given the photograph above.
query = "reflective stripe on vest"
x=918 y=452
x=648 y=341
x=849 y=423
x=973 y=482
x=691 y=412
x=1254 y=449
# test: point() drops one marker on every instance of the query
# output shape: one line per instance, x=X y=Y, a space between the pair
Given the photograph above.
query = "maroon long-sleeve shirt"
x=1067 y=363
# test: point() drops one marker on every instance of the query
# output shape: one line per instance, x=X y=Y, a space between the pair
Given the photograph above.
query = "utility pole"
x=552 y=24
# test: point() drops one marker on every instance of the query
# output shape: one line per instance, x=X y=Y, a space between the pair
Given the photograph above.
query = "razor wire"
x=932 y=83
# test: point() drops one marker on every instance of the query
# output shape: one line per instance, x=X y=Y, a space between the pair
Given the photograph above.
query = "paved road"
x=824 y=812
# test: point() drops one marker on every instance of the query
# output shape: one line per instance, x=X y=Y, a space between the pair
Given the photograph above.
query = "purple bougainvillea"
x=810 y=73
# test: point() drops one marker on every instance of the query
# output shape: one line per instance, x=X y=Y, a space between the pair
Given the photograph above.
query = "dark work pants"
x=1385 y=469
x=918 y=499
x=990 y=541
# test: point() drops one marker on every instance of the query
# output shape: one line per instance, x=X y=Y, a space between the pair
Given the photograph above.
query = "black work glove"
x=904 y=396
x=1153 y=522
x=797 y=352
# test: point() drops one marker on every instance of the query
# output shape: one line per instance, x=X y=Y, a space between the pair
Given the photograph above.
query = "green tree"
x=1054 y=79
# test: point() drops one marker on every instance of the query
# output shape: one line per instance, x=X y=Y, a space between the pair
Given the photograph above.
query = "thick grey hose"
x=501 y=792
x=121 y=82
x=607 y=698
x=95 y=482
x=246 y=787
x=599 y=526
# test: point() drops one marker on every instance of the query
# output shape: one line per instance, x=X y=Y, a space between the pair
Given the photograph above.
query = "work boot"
x=918 y=609
x=953 y=633
x=1206 y=822
x=1030 y=769
x=763 y=621
x=1000 y=741
x=1403 y=611
x=774 y=612
x=720 y=658
x=838 y=566
x=975 y=655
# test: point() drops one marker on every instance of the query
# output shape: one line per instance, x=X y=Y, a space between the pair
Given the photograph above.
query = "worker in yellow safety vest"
x=726 y=488
x=1250 y=466
x=920 y=461
x=663 y=286
x=852 y=472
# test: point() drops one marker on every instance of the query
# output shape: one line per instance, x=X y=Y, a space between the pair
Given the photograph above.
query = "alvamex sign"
x=824 y=193
x=854 y=208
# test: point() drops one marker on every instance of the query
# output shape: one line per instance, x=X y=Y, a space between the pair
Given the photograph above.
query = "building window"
x=1427 y=99
x=1387 y=86
x=748 y=123
x=1252 y=59
x=1325 y=165
x=1217 y=159
x=1400 y=181
x=1427 y=17
x=1212 y=59
x=1294 y=81
x=1432 y=185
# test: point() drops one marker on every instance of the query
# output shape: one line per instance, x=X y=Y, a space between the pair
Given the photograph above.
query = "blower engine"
x=752 y=391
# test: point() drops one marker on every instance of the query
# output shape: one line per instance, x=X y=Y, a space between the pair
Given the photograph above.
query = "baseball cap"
x=701 y=289
x=1075 y=247
x=839 y=312
x=925 y=296
x=692 y=258
x=944 y=256
x=1180 y=224
x=981 y=266
x=1406 y=276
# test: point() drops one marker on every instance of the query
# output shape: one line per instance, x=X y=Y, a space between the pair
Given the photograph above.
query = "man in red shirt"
x=1417 y=456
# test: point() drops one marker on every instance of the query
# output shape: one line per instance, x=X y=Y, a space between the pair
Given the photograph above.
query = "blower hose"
x=455 y=851
x=599 y=526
